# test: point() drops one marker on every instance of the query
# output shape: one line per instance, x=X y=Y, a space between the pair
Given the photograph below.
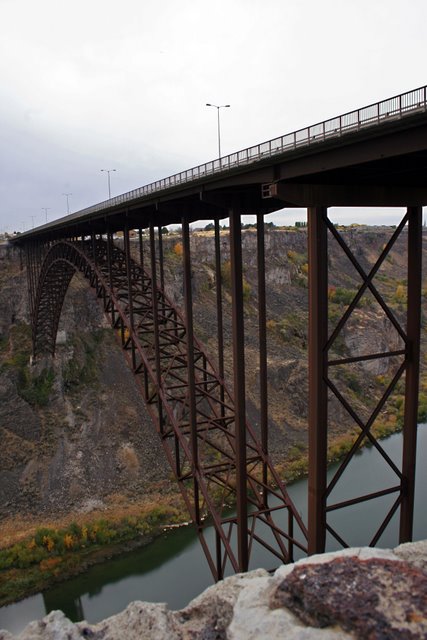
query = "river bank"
x=52 y=554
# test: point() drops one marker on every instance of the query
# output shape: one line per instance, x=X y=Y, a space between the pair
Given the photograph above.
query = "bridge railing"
x=393 y=108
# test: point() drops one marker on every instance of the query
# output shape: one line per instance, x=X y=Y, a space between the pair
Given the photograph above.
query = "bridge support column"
x=239 y=387
x=110 y=250
x=191 y=380
x=130 y=285
x=262 y=337
x=412 y=372
x=220 y=324
x=141 y=248
x=155 y=307
x=317 y=363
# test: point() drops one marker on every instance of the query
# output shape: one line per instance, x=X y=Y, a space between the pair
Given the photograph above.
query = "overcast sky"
x=90 y=85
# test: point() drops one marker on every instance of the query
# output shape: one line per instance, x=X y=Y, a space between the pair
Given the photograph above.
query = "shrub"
x=298 y=258
x=422 y=407
x=246 y=290
x=331 y=292
x=227 y=280
x=343 y=296
x=226 y=274
x=69 y=541
x=36 y=391
x=178 y=249
x=400 y=295
x=49 y=563
x=48 y=542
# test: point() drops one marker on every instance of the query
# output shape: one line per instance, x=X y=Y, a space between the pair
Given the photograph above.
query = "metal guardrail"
x=393 y=108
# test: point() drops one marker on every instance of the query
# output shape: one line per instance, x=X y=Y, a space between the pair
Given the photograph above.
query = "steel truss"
x=322 y=364
x=216 y=456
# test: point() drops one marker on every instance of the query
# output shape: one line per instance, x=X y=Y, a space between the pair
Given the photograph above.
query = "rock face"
x=370 y=594
x=89 y=443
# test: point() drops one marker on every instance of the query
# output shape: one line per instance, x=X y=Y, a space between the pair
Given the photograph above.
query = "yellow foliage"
x=331 y=292
x=48 y=543
x=246 y=289
x=400 y=293
x=178 y=249
x=68 y=541
x=93 y=532
x=32 y=544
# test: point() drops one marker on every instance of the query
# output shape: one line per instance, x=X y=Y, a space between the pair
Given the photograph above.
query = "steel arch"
x=191 y=407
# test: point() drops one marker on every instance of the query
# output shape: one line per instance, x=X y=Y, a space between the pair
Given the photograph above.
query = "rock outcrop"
x=356 y=593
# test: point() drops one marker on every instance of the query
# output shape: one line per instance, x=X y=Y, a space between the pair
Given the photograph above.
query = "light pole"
x=68 y=204
x=108 y=174
x=45 y=209
x=218 y=107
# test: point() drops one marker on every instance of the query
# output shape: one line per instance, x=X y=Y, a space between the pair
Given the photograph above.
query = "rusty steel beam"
x=262 y=338
x=220 y=324
x=141 y=248
x=161 y=258
x=342 y=195
x=155 y=310
x=412 y=371
x=239 y=385
x=126 y=240
x=318 y=393
x=191 y=380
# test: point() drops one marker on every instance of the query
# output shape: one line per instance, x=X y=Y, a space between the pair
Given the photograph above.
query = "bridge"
x=373 y=156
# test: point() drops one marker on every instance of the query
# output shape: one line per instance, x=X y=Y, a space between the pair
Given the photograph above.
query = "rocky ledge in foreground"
x=357 y=593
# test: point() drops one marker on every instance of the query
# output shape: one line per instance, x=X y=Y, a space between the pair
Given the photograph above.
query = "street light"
x=218 y=107
x=68 y=204
x=108 y=173
x=45 y=209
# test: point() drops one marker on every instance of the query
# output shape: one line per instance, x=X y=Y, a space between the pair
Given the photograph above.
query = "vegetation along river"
x=173 y=569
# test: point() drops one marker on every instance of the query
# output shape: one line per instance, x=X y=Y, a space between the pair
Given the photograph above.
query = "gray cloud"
x=93 y=85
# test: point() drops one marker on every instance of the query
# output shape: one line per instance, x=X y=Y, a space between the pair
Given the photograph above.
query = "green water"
x=173 y=569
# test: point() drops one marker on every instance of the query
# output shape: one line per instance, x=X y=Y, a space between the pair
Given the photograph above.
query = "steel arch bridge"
x=372 y=157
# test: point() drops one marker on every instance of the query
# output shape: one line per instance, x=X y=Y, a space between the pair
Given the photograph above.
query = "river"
x=173 y=568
